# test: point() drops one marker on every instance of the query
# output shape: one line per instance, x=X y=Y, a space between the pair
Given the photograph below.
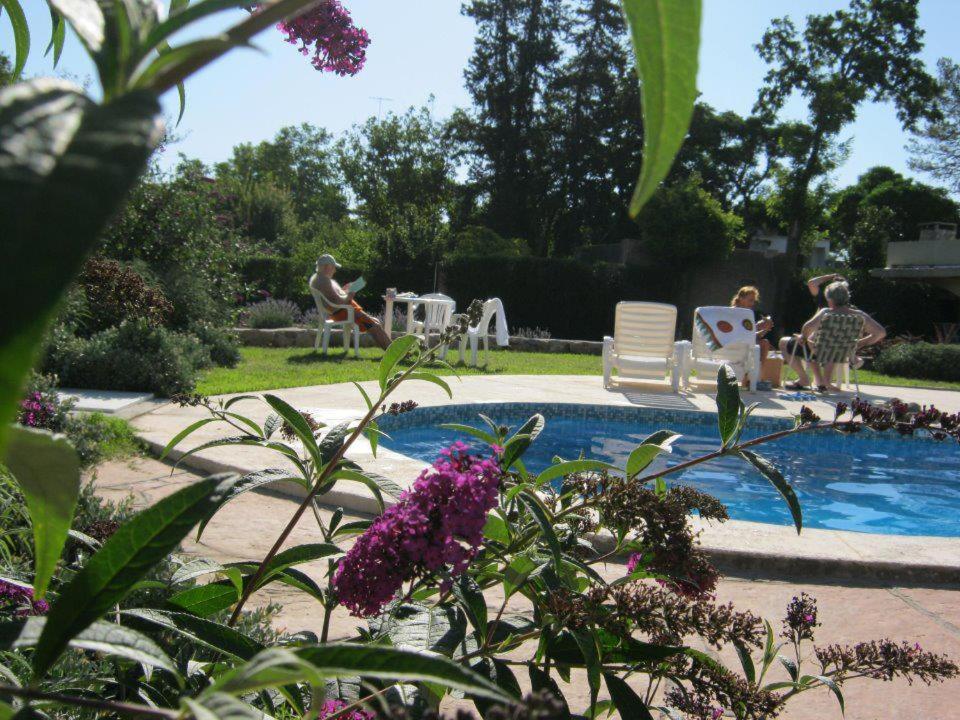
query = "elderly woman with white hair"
x=323 y=283
x=796 y=347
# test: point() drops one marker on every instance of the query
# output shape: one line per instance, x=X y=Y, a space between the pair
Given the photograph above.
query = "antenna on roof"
x=380 y=101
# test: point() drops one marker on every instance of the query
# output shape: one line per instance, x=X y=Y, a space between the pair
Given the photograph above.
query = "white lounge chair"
x=348 y=326
x=481 y=333
x=743 y=357
x=642 y=346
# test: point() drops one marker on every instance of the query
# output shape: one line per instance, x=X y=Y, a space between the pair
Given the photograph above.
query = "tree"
x=684 y=225
x=300 y=160
x=516 y=47
x=936 y=147
x=399 y=172
x=909 y=202
x=868 y=243
x=869 y=51
x=592 y=114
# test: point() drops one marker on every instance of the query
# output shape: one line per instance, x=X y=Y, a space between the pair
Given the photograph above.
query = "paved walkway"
x=246 y=528
x=746 y=546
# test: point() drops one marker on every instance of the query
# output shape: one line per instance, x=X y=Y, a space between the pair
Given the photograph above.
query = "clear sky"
x=419 y=49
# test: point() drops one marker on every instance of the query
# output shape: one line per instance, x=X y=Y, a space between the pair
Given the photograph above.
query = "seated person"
x=816 y=285
x=749 y=297
x=794 y=348
x=322 y=281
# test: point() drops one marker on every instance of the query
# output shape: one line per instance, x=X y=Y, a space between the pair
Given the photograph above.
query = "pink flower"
x=332 y=707
x=327 y=31
x=436 y=526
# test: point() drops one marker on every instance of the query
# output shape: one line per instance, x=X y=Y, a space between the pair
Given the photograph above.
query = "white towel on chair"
x=502 y=334
x=723 y=326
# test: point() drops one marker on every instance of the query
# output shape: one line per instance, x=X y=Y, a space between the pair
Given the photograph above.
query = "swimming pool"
x=865 y=483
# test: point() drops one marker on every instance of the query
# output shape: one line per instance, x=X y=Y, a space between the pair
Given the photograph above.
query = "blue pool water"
x=866 y=483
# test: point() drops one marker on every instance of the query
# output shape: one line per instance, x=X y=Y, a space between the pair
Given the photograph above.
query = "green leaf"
x=514 y=449
x=666 y=42
x=205 y=600
x=647 y=451
x=544 y=519
x=539 y=680
x=628 y=703
x=280 y=666
x=729 y=405
x=366 y=396
x=220 y=706
x=86 y=19
x=570 y=467
x=496 y=528
x=188 y=430
x=517 y=572
x=47 y=470
x=792 y=670
x=249 y=482
x=470 y=596
x=776 y=478
x=834 y=688
x=295 y=556
x=21 y=34
x=587 y=643
x=396 y=352
x=56 y=146
x=300 y=427
x=749 y=671
x=58 y=35
x=432 y=378
x=439 y=629
x=532 y=427
x=177 y=20
x=333 y=440
x=136 y=547
x=467 y=430
x=101 y=636
x=206 y=632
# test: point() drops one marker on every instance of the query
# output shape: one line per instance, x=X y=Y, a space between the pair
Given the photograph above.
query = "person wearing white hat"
x=322 y=281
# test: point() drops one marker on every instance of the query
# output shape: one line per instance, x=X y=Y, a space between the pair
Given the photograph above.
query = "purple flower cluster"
x=332 y=707
x=36 y=411
x=436 y=526
x=327 y=31
x=801 y=618
x=19 y=600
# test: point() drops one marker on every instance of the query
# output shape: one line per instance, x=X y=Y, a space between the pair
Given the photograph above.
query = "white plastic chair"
x=436 y=315
x=478 y=334
x=642 y=346
x=348 y=326
x=744 y=358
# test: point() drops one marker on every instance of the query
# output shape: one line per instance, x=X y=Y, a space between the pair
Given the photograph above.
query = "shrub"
x=97 y=437
x=923 y=361
x=222 y=344
x=271 y=313
x=132 y=356
x=115 y=293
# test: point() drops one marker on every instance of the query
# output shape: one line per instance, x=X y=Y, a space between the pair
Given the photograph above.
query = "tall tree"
x=592 y=110
x=869 y=51
x=400 y=175
x=299 y=159
x=936 y=147
x=516 y=47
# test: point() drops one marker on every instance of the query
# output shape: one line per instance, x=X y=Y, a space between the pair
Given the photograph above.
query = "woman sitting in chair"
x=749 y=297
x=804 y=345
x=322 y=282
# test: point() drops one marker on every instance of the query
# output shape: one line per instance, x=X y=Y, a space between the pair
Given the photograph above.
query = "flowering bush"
x=270 y=313
x=115 y=293
x=41 y=406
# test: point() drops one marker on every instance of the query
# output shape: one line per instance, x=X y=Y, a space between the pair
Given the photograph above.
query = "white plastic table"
x=411 y=302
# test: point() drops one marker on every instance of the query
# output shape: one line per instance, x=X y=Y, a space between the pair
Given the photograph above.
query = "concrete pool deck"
x=738 y=546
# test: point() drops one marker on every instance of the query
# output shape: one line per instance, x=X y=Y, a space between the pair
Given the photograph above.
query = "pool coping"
x=738 y=547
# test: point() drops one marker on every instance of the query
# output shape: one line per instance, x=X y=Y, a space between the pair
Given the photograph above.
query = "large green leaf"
x=729 y=404
x=647 y=451
x=48 y=472
x=666 y=43
x=205 y=600
x=570 y=467
x=440 y=629
x=397 y=350
x=281 y=666
x=628 y=703
x=101 y=636
x=776 y=478
x=245 y=484
x=21 y=34
x=137 y=546
x=65 y=166
x=206 y=632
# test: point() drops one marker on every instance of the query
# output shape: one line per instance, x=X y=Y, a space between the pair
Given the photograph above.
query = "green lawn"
x=272 y=368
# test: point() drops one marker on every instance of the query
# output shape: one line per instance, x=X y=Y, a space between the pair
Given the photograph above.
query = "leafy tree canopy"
x=936 y=147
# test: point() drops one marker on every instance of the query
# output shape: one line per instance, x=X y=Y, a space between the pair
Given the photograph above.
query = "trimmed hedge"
x=922 y=361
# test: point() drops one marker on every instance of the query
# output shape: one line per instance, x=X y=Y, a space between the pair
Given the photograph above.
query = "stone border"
x=305 y=337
